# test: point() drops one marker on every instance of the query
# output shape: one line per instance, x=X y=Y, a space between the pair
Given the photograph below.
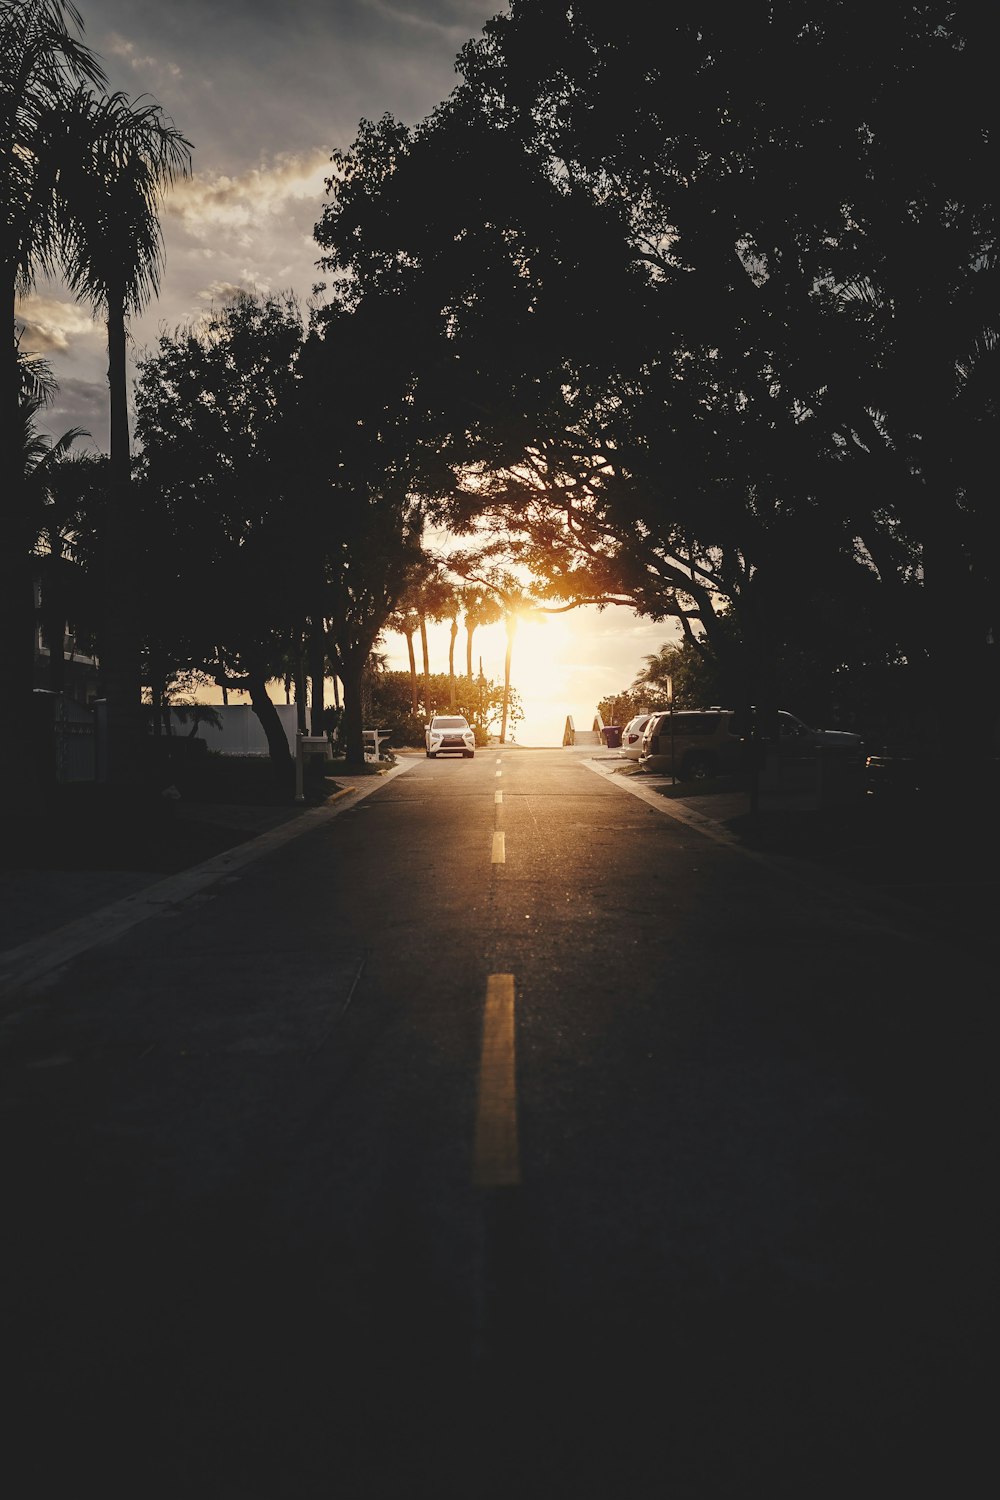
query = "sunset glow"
x=562 y=664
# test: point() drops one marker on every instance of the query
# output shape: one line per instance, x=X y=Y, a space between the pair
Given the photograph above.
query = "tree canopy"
x=711 y=326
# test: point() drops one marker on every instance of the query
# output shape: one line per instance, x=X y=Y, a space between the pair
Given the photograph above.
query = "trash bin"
x=612 y=736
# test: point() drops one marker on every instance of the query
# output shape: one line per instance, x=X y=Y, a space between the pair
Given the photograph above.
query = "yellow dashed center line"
x=496 y=1159
x=498 y=798
x=499 y=851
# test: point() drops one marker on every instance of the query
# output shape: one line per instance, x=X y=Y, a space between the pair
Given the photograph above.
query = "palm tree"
x=128 y=154
x=510 y=623
x=43 y=61
x=404 y=622
x=480 y=609
x=498 y=596
x=454 y=608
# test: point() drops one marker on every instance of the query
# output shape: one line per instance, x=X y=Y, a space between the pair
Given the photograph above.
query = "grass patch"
x=96 y=827
x=245 y=780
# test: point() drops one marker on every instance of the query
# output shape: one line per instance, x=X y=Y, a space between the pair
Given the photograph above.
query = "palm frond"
x=119 y=156
x=37 y=382
x=41 y=64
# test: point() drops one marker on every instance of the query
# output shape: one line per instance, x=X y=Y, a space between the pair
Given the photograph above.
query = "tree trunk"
x=19 y=782
x=352 y=737
x=301 y=716
x=54 y=617
x=469 y=628
x=414 y=707
x=427 y=663
x=317 y=670
x=162 y=724
x=511 y=623
x=120 y=651
x=266 y=712
x=451 y=664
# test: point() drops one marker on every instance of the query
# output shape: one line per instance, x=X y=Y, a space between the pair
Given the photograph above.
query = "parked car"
x=691 y=743
x=707 y=742
x=449 y=734
x=632 y=736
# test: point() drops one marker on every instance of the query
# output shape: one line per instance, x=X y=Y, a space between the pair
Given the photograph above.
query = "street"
x=305 y=1196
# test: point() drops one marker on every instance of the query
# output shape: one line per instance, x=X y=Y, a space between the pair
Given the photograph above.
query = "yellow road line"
x=498 y=798
x=496 y=1158
x=499 y=848
x=498 y=773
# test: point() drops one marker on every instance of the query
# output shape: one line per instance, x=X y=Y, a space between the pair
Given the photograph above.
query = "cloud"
x=226 y=291
x=52 y=325
x=119 y=47
x=455 y=21
x=79 y=403
x=204 y=204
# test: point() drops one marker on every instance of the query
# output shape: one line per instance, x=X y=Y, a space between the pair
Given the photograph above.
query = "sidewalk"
x=931 y=856
x=54 y=872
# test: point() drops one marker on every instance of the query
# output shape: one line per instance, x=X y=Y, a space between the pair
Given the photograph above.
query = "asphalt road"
x=502 y=1135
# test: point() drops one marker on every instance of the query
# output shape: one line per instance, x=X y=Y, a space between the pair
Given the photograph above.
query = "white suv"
x=631 y=745
x=449 y=734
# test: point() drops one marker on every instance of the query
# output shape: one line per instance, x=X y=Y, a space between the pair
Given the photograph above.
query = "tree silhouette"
x=779 y=401
x=69 y=496
x=43 y=60
x=225 y=499
x=126 y=154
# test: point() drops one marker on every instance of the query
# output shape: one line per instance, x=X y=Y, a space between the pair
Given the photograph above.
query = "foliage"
x=780 y=403
x=222 y=512
x=693 y=672
x=43 y=62
x=479 y=699
x=619 y=708
x=265 y=535
x=81 y=172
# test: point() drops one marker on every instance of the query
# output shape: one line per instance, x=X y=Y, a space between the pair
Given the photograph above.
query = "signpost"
x=670 y=701
x=299 y=793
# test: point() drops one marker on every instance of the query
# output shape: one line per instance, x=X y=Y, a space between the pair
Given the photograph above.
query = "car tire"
x=432 y=755
x=468 y=754
x=697 y=768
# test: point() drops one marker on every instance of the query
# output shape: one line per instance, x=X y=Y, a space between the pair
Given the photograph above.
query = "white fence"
x=241 y=732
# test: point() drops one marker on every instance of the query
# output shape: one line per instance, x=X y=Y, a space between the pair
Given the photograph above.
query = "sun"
x=538 y=662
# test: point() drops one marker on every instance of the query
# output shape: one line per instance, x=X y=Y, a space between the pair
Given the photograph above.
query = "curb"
x=704 y=824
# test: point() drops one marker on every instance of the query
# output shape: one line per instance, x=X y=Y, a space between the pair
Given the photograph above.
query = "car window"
x=449 y=723
x=695 y=723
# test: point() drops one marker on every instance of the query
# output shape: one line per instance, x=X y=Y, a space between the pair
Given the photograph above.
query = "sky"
x=266 y=90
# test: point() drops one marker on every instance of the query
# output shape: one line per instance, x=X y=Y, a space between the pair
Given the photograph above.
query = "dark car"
x=708 y=742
